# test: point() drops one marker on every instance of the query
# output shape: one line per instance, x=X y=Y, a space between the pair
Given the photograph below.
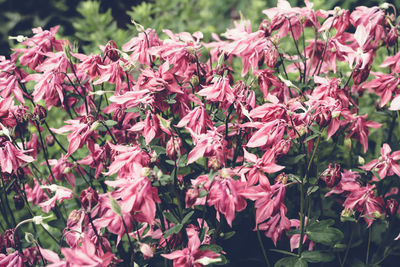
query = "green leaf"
x=292 y=160
x=315 y=129
x=110 y=123
x=317 y=256
x=228 y=235
x=170 y=217
x=187 y=217
x=283 y=252
x=115 y=206
x=214 y=248
x=135 y=109
x=173 y=230
x=291 y=261
x=159 y=149
x=311 y=137
x=327 y=236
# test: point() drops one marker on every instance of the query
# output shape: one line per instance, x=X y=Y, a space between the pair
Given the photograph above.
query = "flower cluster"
x=156 y=150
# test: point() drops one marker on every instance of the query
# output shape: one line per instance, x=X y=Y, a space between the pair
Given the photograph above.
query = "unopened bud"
x=18 y=202
x=40 y=112
x=50 y=140
x=392 y=37
x=391 y=206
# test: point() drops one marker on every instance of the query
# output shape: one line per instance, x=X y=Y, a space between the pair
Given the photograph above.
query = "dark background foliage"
x=18 y=17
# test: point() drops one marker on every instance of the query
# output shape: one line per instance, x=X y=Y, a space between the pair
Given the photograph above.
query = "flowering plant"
x=177 y=151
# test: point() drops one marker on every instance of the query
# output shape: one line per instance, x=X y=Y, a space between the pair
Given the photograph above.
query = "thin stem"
x=262 y=247
x=347 y=249
x=303 y=187
x=369 y=245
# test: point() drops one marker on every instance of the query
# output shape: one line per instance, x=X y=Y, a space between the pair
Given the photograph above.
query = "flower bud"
x=18 y=202
x=323 y=117
x=331 y=176
x=213 y=163
x=346 y=215
x=392 y=37
x=360 y=75
x=10 y=238
x=40 y=113
x=191 y=196
x=174 y=148
x=89 y=198
x=111 y=52
x=50 y=140
x=391 y=206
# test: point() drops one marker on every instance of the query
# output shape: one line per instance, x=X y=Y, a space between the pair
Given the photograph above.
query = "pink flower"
x=197 y=120
x=219 y=91
x=42 y=42
x=386 y=164
x=347 y=183
x=62 y=168
x=256 y=172
x=61 y=193
x=364 y=201
x=139 y=46
x=149 y=128
x=96 y=159
x=359 y=129
x=112 y=73
x=393 y=62
x=126 y=160
x=12 y=158
x=384 y=86
x=88 y=254
x=209 y=144
x=80 y=131
x=191 y=255
x=268 y=200
x=9 y=79
x=137 y=196
x=267 y=133
x=295 y=239
x=14 y=259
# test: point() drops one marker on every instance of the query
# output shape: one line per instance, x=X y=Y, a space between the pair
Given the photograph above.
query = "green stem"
x=305 y=198
x=368 y=246
x=262 y=248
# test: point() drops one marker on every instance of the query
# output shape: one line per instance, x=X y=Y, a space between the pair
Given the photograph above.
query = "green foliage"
x=194 y=15
x=96 y=28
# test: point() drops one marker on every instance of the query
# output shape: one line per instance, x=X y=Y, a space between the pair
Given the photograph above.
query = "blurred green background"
x=91 y=23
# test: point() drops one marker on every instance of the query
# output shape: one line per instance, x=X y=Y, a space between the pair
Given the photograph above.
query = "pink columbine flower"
x=61 y=193
x=295 y=239
x=12 y=158
x=192 y=255
x=197 y=120
x=137 y=196
x=218 y=91
x=384 y=86
x=14 y=259
x=364 y=200
x=140 y=45
x=256 y=172
x=80 y=130
x=386 y=164
x=359 y=129
x=209 y=144
x=88 y=254
x=126 y=160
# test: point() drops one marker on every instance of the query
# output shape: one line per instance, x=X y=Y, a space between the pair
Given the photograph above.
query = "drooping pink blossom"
x=61 y=193
x=191 y=255
x=12 y=158
x=386 y=164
